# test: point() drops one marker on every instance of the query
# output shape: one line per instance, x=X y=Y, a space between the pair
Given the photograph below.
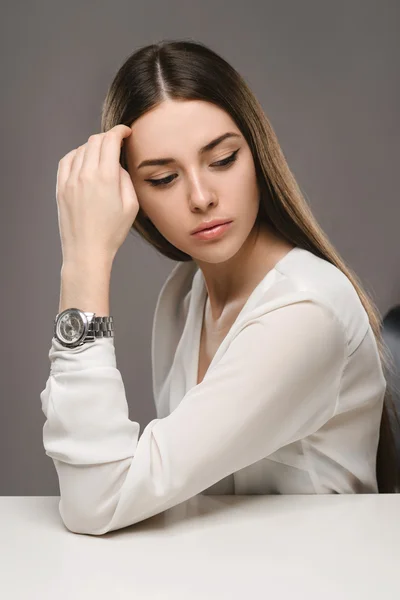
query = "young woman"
x=267 y=357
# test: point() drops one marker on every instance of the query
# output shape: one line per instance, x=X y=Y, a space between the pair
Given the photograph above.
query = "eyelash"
x=222 y=163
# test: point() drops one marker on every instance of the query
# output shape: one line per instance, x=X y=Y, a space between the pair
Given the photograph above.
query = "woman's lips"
x=213 y=232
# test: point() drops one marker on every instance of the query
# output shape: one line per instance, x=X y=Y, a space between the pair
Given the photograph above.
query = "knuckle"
x=69 y=184
x=84 y=176
x=65 y=157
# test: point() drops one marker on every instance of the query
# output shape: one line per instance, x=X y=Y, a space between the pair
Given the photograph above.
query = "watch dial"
x=71 y=327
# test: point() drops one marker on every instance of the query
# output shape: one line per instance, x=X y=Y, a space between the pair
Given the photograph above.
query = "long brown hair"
x=188 y=70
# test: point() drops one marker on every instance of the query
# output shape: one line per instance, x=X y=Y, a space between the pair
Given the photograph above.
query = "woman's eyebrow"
x=203 y=150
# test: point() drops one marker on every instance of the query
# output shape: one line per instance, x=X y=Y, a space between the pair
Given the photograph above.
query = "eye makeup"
x=219 y=164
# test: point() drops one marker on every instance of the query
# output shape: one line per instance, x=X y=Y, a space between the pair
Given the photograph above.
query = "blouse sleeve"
x=277 y=382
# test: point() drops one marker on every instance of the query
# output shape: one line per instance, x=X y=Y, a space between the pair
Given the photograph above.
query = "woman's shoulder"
x=302 y=275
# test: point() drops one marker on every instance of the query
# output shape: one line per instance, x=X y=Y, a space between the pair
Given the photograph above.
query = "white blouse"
x=290 y=404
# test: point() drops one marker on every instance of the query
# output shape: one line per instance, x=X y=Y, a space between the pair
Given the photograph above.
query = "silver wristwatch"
x=74 y=327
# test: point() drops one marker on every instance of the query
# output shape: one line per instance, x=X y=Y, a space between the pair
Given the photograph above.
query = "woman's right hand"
x=97 y=203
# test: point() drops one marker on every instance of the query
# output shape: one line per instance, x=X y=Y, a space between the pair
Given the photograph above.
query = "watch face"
x=70 y=326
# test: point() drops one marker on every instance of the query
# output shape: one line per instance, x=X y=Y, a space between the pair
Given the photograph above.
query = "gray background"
x=327 y=76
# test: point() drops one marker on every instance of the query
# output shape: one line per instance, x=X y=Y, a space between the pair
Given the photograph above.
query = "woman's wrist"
x=86 y=286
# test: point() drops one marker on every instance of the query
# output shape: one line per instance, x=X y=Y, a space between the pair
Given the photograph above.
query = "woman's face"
x=192 y=186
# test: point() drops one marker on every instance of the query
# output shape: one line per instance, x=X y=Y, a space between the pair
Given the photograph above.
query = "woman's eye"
x=163 y=181
x=225 y=161
x=220 y=163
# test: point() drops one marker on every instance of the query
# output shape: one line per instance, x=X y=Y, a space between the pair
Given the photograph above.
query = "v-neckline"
x=199 y=297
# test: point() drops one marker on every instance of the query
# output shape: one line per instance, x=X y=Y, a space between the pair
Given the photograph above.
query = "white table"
x=344 y=547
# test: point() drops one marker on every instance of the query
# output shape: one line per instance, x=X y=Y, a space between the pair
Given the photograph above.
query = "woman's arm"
x=277 y=382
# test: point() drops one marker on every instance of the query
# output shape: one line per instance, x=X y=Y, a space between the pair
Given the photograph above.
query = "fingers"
x=64 y=168
x=102 y=151
x=69 y=167
x=77 y=160
x=111 y=149
x=90 y=158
